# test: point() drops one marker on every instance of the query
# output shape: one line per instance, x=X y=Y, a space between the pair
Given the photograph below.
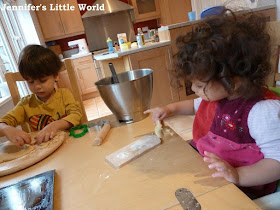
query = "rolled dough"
x=10 y=151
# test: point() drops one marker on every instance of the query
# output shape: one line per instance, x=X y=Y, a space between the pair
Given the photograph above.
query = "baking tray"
x=33 y=193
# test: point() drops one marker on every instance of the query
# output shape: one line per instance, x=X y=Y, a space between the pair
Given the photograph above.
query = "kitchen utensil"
x=187 y=199
x=32 y=193
x=78 y=135
x=132 y=151
x=114 y=75
x=103 y=127
x=129 y=98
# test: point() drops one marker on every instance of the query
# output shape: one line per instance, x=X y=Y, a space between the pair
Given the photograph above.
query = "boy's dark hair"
x=36 y=61
x=226 y=46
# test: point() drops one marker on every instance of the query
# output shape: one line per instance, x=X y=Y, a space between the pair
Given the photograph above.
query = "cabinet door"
x=59 y=24
x=146 y=10
x=50 y=21
x=71 y=20
x=172 y=13
x=64 y=81
x=159 y=61
x=86 y=73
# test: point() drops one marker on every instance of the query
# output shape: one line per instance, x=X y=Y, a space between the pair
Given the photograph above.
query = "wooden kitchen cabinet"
x=145 y=10
x=172 y=13
x=158 y=60
x=59 y=24
x=86 y=76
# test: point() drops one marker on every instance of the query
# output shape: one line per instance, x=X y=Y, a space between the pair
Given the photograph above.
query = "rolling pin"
x=102 y=134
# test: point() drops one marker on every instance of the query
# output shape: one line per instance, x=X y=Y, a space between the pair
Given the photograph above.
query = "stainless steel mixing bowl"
x=129 y=98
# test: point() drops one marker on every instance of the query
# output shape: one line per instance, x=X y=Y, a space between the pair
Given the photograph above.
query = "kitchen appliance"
x=32 y=193
x=116 y=18
x=129 y=98
x=83 y=48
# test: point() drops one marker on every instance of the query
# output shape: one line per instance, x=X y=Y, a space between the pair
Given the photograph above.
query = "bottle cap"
x=109 y=39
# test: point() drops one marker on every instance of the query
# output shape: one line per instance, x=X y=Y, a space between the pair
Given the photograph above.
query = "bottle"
x=139 y=41
x=110 y=45
x=116 y=46
x=156 y=37
x=140 y=36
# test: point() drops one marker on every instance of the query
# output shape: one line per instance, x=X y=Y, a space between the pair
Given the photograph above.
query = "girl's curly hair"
x=224 y=47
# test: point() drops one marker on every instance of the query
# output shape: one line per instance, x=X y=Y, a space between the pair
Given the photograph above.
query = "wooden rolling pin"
x=102 y=134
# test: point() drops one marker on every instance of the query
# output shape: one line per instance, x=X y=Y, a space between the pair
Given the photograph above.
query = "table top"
x=83 y=180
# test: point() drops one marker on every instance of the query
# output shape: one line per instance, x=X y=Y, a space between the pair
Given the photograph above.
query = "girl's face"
x=211 y=91
x=43 y=88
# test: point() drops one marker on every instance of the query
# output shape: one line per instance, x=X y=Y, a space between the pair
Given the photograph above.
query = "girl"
x=237 y=121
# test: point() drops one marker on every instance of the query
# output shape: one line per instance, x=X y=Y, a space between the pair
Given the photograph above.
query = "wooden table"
x=84 y=180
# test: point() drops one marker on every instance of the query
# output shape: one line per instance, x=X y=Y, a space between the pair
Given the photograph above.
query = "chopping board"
x=38 y=153
x=181 y=124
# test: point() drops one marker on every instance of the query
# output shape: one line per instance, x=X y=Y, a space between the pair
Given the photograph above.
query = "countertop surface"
x=75 y=56
x=117 y=54
x=261 y=5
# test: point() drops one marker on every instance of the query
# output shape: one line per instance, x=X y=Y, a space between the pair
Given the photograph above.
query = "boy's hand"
x=17 y=136
x=158 y=113
x=223 y=168
x=47 y=133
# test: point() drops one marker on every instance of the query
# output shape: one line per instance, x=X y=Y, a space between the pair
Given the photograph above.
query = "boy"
x=47 y=110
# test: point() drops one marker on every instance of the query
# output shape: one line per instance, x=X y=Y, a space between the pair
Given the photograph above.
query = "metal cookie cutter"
x=102 y=127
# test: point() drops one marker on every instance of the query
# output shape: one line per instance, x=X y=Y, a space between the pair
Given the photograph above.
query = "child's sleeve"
x=264 y=127
x=14 y=117
x=196 y=103
x=73 y=109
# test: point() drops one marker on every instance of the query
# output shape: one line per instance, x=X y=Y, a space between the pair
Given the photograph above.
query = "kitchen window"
x=11 y=43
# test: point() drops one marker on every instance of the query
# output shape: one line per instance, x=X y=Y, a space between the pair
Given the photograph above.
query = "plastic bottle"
x=140 y=38
x=110 y=45
x=156 y=37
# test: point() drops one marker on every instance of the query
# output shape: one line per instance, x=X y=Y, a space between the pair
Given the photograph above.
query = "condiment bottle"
x=110 y=45
x=140 y=38
x=156 y=37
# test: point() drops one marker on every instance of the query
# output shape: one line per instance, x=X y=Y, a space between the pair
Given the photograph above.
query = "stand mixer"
x=83 y=48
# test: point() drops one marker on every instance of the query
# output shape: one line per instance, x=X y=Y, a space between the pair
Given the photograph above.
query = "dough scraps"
x=158 y=129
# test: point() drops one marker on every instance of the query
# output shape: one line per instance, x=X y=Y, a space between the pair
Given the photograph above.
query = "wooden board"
x=33 y=157
x=181 y=124
x=132 y=151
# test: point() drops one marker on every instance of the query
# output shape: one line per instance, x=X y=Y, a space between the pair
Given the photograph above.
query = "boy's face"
x=212 y=91
x=43 y=88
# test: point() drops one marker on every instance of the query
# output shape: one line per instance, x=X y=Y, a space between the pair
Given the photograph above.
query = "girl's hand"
x=47 y=133
x=158 y=113
x=17 y=136
x=223 y=168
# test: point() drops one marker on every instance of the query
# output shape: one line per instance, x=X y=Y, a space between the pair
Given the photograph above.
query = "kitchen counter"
x=75 y=56
x=261 y=5
x=118 y=54
x=83 y=179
